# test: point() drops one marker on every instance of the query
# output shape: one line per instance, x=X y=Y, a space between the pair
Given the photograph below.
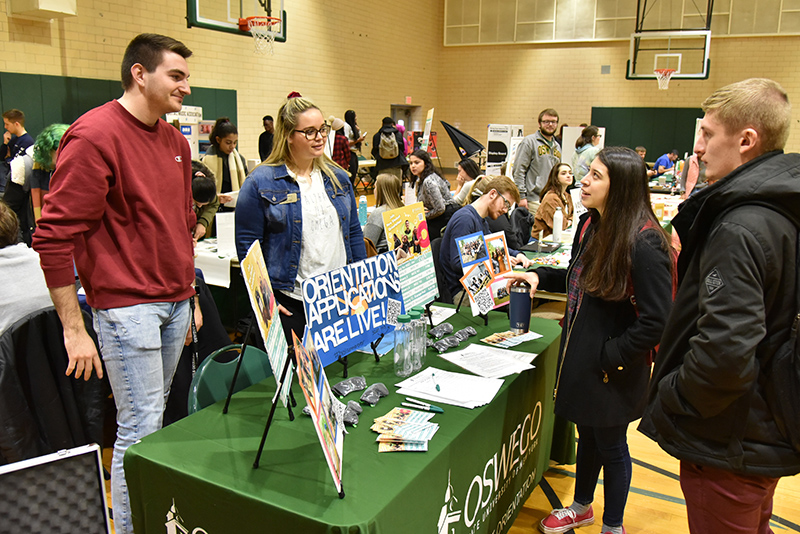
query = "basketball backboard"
x=224 y=16
x=684 y=51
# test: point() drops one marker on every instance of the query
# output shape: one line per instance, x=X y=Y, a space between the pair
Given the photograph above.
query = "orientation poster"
x=407 y=234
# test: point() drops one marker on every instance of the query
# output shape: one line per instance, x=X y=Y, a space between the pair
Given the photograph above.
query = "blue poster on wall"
x=351 y=306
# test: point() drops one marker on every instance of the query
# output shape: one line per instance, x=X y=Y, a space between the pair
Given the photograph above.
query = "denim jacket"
x=269 y=209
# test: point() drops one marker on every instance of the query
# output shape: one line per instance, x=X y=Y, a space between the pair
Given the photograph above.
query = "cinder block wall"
x=367 y=55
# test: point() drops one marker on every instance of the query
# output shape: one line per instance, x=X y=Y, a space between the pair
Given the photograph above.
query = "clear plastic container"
x=416 y=337
x=403 y=365
x=423 y=335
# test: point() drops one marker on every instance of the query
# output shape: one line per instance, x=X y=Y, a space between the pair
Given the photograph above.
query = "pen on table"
x=423 y=407
x=423 y=404
x=433 y=377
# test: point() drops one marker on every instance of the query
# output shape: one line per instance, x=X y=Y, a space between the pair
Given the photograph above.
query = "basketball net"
x=663 y=76
x=263 y=31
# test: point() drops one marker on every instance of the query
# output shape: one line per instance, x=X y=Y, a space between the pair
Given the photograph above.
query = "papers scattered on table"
x=457 y=389
x=214 y=262
x=490 y=362
x=509 y=339
x=439 y=314
x=404 y=430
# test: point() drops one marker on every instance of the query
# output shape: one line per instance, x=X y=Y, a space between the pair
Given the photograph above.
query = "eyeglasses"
x=549 y=122
x=311 y=133
x=506 y=203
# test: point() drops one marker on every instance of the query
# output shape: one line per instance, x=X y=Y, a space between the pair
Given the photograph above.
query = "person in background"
x=18 y=193
x=337 y=146
x=229 y=167
x=355 y=138
x=560 y=136
x=500 y=194
x=15 y=141
x=402 y=129
x=666 y=162
x=468 y=172
x=120 y=211
x=28 y=291
x=642 y=151
x=693 y=176
x=265 y=139
x=387 y=149
x=554 y=195
x=44 y=163
x=204 y=195
x=308 y=225
x=619 y=252
x=536 y=155
x=433 y=191
x=388 y=196
x=715 y=374
x=586 y=148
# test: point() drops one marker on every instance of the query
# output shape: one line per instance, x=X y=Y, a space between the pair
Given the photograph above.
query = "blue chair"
x=213 y=378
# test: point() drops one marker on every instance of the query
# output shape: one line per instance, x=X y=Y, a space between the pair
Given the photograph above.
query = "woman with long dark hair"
x=554 y=195
x=299 y=204
x=468 y=172
x=223 y=159
x=586 y=149
x=433 y=191
x=619 y=294
x=355 y=138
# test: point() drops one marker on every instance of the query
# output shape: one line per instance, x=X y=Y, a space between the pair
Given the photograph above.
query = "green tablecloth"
x=197 y=476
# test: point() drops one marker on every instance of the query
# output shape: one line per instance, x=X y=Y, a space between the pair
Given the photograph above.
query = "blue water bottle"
x=362 y=210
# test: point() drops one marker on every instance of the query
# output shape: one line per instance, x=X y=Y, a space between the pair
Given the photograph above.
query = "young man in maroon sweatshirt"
x=120 y=206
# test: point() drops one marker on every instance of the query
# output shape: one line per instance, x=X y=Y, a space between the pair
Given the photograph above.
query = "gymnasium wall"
x=366 y=55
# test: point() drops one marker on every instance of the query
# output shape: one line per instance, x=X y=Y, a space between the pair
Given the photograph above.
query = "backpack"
x=783 y=377
x=521 y=225
x=388 y=149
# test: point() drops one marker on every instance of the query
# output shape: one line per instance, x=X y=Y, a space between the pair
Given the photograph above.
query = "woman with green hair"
x=44 y=163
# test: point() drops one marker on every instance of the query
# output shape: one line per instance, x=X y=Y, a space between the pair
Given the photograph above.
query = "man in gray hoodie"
x=536 y=155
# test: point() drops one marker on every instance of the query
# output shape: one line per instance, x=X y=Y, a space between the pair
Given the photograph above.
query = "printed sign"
x=351 y=306
x=407 y=234
x=262 y=300
x=484 y=260
x=322 y=405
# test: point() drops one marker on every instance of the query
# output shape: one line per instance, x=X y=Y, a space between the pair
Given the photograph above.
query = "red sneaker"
x=564 y=519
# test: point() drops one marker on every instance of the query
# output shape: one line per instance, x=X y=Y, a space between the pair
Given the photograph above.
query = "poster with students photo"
x=262 y=300
x=485 y=259
x=325 y=413
x=407 y=234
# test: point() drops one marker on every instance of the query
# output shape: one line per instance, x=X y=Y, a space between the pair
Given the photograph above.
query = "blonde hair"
x=388 y=189
x=757 y=103
x=285 y=125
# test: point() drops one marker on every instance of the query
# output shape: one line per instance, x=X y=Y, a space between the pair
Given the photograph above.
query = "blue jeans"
x=605 y=447
x=140 y=346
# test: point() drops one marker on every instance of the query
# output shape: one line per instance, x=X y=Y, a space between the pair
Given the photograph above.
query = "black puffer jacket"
x=609 y=338
x=733 y=309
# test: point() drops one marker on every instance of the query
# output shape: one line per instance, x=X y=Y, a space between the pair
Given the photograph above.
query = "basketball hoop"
x=263 y=31
x=663 y=76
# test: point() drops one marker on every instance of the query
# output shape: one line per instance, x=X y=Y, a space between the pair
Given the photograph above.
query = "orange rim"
x=244 y=24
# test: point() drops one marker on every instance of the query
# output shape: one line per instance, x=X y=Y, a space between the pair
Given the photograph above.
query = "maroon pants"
x=722 y=502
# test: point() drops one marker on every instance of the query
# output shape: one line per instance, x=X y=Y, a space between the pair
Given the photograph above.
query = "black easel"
x=343 y=361
x=246 y=339
x=429 y=313
x=289 y=361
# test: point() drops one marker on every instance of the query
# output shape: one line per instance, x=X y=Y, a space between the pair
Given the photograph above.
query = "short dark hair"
x=674 y=152
x=9 y=226
x=267 y=118
x=204 y=187
x=388 y=121
x=147 y=49
x=15 y=115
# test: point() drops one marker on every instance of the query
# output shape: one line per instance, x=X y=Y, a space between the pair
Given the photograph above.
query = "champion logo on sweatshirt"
x=714 y=281
x=178 y=159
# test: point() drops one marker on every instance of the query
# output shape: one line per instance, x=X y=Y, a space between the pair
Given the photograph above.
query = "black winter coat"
x=603 y=363
x=734 y=307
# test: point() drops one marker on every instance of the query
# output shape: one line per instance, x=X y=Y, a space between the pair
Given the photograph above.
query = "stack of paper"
x=404 y=430
x=457 y=389
x=490 y=362
x=510 y=339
